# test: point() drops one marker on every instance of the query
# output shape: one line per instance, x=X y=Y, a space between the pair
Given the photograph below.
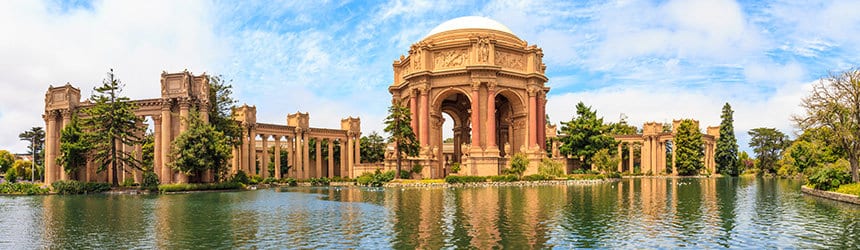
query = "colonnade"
x=653 y=147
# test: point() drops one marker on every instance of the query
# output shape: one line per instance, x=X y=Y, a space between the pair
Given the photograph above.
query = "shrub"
x=255 y=179
x=11 y=175
x=341 y=179
x=77 y=187
x=585 y=177
x=181 y=187
x=853 y=188
x=269 y=180
x=505 y=178
x=241 y=177
x=550 y=167
x=518 y=164
x=323 y=181
x=453 y=179
x=150 y=181
x=405 y=174
x=127 y=182
x=417 y=168
x=455 y=168
x=289 y=181
x=376 y=179
x=830 y=176
x=536 y=177
x=21 y=188
x=613 y=175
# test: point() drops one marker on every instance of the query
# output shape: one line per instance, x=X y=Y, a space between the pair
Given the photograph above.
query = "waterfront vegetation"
x=22 y=188
x=185 y=187
x=78 y=187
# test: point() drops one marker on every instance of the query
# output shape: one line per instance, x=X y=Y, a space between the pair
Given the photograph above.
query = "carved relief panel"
x=450 y=58
x=510 y=60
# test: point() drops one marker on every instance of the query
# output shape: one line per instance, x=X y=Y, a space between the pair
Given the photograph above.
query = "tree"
x=221 y=107
x=605 y=161
x=73 y=147
x=372 y=148
x=726 y=155
x=835 y=103
x=690 y=149
x=36 y=137
x=22 y=168
x=397 y=125
x=586 y=134
x=6 y=160
x=767 y=144
x=111 y=122
x=148 y=152
x=199 y=148
x=745 y=162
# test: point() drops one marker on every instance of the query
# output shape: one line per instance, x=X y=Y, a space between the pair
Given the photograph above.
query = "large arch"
x=498 y=84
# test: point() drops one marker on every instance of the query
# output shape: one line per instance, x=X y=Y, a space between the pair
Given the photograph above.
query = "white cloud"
x=44 y=45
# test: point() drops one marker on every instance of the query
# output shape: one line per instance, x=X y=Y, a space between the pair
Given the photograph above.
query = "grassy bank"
x=186 y=187
x=22 y=188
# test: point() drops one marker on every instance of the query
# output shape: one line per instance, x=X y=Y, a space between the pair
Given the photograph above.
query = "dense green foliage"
x=375 y=179
x=150 y=181
x=73 y=147
x=829 y=177
x=454 y=179
x=853 y=189
x=586 y=134
x=455 y=167
x=505 y=178
x=22 y=188
x=690 y=149
x=726 y=155
x=77 y=187
x=745 y=162
x=550 y=167
x=537 y=177
x=398 y=126
x=24 y=169
x=372 y=148
x=36 y=138
x=605 y=161
x=6 y=160
x=11 y=175
x=200 y=148
x=241 y=177
x=519 y=163
x=289 y=181
x=768 y=144
x=835 y=104
x=184 y=187
x=111 y=121
x=148 y=152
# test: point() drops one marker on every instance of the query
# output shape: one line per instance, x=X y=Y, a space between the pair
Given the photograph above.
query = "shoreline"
x=830 y=195
x=497 y=184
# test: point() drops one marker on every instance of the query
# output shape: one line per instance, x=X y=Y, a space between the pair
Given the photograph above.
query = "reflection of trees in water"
x=91 y=221
x=727 y=190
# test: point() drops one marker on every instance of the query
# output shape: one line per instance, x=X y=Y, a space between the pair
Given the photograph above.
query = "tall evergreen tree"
x=690 y=149
x=73 y=147
x=397 y=125
x=221 y=105
x=199 y=148
x=36 y=137
x=111 y=122
x=372 y=148
x=586 y=134
x=768 y=144
x=726 y=155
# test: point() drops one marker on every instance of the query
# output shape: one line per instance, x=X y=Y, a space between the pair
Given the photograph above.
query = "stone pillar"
x=630 y=156
x=350 y=154
x=330 y=158
x=541 y=117
x=476 y=117
x=357 y=148
x=290 y=154
x=674 y=166
x=156 y=162
x=318 y=156
x=344 y=161
x=264 y=162
x=278 y=157
x=620 y=160
x=50 y=141
x=183 y=126
x=166 y=138
x=252 y=151
x=306 y=161
x=457 y=154
x=204 y=113
x=425 y=118
x=532 y=118
x=243 y=152
x=299 y=155
x=491 y=115
x=138 y=155
x=413 y=110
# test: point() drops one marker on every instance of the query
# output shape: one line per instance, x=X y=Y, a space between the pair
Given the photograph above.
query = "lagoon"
x=630 y=213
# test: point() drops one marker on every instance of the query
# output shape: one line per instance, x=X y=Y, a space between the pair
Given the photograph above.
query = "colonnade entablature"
x=492 y=85
x=182 y=93
x=653 y=142
x=294 y=139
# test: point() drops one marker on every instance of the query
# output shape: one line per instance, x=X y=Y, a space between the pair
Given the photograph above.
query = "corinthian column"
x=491 y=115
x=166 y=139
x=476 y=117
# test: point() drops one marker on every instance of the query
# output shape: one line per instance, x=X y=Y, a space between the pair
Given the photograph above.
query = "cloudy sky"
x=651 y=61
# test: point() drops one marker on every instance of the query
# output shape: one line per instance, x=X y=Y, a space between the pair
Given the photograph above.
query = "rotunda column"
x=476 y=117
x=264 y=162
x=277 y=157
x=330 y=156
x=491 y=115
x=166 y=139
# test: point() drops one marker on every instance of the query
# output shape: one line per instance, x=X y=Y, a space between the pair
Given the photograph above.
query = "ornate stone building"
x=652 y=145
x=489 y=81
x=183 y=92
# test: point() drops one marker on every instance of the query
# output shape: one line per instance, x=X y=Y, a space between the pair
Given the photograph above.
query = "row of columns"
x=298 y=154
x=653 y=156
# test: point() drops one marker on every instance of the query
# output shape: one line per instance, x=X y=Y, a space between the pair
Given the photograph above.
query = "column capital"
x=491 y=85
x=184 y=102
x=475 y=85
x=533 y=90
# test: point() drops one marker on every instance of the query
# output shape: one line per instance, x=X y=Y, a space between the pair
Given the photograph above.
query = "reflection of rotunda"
x=491 y=84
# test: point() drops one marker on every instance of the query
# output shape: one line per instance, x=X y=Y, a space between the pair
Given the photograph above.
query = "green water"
x=632 y=213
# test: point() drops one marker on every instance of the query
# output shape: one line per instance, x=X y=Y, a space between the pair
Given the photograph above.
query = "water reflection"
x=631 y=213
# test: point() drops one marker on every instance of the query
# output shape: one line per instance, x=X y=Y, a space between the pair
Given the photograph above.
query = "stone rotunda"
x=492 y=85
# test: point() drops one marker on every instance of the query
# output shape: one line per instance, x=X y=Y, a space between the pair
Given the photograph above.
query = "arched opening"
x=510 y=119
x=451 y=121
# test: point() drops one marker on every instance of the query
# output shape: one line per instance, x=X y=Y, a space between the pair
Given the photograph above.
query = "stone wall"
x=831 y=195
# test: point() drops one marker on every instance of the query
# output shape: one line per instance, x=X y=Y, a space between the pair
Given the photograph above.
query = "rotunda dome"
x=470 y=22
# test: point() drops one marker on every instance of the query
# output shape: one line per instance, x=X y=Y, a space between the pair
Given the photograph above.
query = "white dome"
x=470 y=22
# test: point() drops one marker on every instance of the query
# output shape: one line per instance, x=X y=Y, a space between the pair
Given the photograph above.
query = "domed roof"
x=470 y=22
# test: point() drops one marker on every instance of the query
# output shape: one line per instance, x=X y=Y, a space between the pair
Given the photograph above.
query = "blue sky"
x=650 y=60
